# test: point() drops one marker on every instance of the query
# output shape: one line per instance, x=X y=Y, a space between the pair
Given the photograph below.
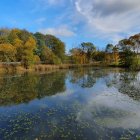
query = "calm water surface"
x=80 y=104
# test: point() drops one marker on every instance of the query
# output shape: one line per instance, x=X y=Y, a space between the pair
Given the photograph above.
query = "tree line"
x=31 y=48
x=126 y=53
x=22 y=46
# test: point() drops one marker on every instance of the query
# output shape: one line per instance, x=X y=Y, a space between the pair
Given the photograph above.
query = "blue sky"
x=74 y=21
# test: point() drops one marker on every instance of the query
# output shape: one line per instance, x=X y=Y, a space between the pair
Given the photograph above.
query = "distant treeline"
x=124 y=54
x=27 y=48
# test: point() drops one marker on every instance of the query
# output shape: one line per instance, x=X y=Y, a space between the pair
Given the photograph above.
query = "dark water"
x=80 y=104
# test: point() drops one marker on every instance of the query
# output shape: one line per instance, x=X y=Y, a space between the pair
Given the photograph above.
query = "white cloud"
x=104 y=19
x=110 y=18
x=62 y=31
x=112 y=100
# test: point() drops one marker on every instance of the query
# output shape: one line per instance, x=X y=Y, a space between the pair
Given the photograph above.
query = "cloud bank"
x=62 y=31
x=103 y=19
x=110 y=18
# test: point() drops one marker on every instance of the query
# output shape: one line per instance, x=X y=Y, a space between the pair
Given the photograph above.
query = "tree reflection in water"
x=126 y=82
x=86 y=78
x=24 y=88
x=104 y=112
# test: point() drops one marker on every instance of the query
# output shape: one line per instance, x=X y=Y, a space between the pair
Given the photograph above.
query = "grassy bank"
x=63 y=66
x=40 y=68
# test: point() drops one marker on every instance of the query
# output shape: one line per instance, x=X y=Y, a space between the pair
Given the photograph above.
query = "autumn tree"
x=28 y=55
x=116 y=56
x=78 y=56
x=7 y=53
x=99 y=56
x=4 y=35
x=126 y=53
x=108 y=54
x=88 y=48
x=25 y=45
x=135 y=43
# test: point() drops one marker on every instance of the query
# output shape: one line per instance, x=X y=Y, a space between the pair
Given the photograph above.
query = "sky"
x=74 y=21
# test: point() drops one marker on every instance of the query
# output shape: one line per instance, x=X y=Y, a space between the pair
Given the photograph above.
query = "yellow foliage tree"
x=28 y=55
x=7 y=53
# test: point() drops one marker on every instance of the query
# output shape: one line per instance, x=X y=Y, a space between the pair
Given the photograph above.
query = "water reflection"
x=24 y=88
x=126 y=82
x=80 y=104
x=86 y=78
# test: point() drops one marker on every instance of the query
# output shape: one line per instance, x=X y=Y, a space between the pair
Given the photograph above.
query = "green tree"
x=56 y=45
x=49 y=57
x=40 y=39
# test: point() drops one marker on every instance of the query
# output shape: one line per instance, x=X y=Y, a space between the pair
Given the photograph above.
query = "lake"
x=78 y=104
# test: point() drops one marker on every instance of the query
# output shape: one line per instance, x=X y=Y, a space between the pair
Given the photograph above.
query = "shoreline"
x=7 y=69
x=41 y=68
